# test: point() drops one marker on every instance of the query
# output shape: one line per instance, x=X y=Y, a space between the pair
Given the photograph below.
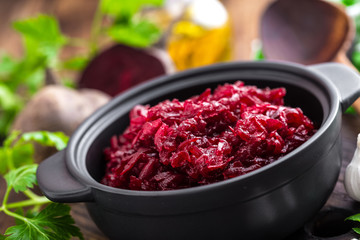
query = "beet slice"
x=121 y=67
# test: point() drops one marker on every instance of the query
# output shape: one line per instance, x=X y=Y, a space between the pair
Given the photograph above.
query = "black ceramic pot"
x=268 y=203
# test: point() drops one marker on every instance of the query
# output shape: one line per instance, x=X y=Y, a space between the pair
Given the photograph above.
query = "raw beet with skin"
x=205 y=139
x=121 y=67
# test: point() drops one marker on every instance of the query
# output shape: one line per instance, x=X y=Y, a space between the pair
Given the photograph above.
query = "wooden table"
x=75 y=17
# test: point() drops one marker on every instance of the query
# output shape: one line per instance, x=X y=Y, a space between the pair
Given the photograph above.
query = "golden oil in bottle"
x=201 y=35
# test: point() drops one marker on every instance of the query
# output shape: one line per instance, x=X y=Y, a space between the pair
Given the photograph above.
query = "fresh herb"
x=18 y=150
x=53 y=222
x=347 y=2
x=353 y=9
x=138 y=33
x=10 y=106
x=127 y=26
x=51 y=139
x=19 y=170
x=351 y=111
x=21 y=78
x=259 y=54
x=126 y=8
x=43 y=41
x=77 y=63
x=355 y=218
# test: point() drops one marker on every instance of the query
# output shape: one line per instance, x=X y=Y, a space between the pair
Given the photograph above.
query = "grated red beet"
x=205 y=139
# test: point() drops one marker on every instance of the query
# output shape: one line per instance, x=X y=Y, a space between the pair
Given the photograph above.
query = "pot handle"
x=57 y=183
x=346 y=80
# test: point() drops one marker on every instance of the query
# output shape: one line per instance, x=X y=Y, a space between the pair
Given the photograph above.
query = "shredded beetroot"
x=205 y=139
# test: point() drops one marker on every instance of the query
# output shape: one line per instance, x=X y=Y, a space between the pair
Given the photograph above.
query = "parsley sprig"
x=21 y=78
x=43 y=42
x=19 y=170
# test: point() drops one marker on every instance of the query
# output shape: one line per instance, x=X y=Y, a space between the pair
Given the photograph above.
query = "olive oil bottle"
x=201 y=36
x=195 y=32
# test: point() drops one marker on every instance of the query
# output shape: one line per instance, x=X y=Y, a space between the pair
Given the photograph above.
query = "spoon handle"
x=342 y=58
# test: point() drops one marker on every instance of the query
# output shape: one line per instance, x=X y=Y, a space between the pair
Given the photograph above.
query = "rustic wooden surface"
x=75 y=18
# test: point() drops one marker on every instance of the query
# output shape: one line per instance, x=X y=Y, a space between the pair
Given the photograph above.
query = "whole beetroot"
x=121 y=67
x=58 y=108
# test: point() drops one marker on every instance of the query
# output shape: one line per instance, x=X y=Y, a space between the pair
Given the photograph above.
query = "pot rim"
x=81 y=173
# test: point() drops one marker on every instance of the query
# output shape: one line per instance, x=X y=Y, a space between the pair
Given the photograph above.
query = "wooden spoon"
x=307 y=32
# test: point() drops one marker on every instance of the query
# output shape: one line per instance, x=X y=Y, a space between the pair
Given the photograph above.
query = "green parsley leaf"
x=69 y=82
x=41 y=35
x=14 y=153
x=3 y=162
x=356 y=57
x=357 y=230
x=20 y=212
x=27 y=75
x=52 y=139
x=10 y=105
x=259 y=55
x=22 y=154
x=11 y=139
x=7 y=65
x=19 y=155
x=351 y=111
x=42 y=41
x=349 y=2
x=137 y=33
x=8 y=99
x=77 y=63
x=53 y=222
x=29 y=214
x=118 y=8
x=35 y=80
x=21 y=178
x=18 y=150
x=355 y=218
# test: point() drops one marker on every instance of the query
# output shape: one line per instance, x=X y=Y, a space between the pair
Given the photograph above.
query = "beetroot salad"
x=205 y=139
